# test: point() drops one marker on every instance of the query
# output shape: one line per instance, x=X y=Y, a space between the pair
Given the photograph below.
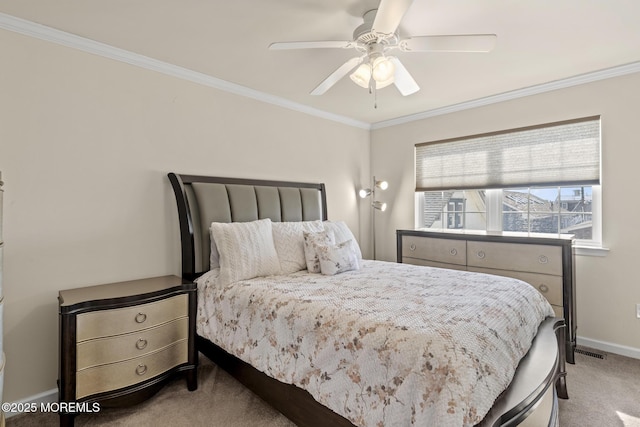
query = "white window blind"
x=561 y=153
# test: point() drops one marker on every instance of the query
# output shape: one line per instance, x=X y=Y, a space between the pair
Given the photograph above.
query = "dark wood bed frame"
x=539 y=380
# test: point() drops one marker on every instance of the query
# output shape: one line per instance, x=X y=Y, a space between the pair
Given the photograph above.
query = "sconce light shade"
x=381 y=206
x=365 y=192
x=383 y=185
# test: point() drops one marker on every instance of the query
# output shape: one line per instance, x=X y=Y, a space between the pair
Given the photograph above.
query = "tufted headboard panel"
x=202 y=200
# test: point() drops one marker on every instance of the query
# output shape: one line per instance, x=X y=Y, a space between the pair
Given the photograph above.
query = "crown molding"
x=608 y=73
x=39 y=31
x=42 y=32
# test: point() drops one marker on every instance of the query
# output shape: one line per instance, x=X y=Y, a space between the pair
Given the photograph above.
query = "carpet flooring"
x=602 y=393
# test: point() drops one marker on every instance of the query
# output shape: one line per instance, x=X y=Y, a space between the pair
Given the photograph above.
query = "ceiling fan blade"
x=403 y=80
x=389 y=15
x=456 y=43
x=310 y=45
x=334 y=77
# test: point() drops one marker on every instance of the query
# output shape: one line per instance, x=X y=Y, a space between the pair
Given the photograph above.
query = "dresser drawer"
x=101 y=351
x=513 y=256
x=106 y=323
x=426 y=262
x=113 y=376
x=446 y=251
x=547 y=285
x=559 y=311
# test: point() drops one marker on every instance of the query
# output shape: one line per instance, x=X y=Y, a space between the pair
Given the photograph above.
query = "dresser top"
x=120 y=290
x=504 y=236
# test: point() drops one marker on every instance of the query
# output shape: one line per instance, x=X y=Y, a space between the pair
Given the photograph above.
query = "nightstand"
x=121 y=342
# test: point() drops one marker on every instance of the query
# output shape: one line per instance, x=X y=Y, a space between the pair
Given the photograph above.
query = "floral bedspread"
x=387 y=345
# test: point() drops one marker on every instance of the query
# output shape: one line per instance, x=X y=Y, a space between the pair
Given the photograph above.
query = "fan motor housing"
x=363 y=34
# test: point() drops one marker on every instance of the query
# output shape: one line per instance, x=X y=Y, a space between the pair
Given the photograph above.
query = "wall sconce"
x=375 y=204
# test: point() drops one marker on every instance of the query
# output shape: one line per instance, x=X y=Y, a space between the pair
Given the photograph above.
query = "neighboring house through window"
x=455 y=213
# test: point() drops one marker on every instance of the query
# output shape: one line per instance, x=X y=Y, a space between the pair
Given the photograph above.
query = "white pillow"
x=342 y=233
x=214 y=257
x=338 y=258
x=246 y=250
x=311 y=240
x=288 y=238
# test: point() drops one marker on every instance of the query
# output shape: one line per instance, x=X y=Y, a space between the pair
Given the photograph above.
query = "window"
x=552 y=210
x=542 y=179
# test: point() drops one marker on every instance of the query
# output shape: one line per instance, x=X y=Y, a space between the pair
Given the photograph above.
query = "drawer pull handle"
x=481 y=254
x=412 y=247
x=543 y=288
x=141 y=369
x=141 y=317
x=453 y=252
x=141 y=344
x=543 y=259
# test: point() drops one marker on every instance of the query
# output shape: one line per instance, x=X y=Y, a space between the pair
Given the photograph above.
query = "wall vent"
x=591 y=353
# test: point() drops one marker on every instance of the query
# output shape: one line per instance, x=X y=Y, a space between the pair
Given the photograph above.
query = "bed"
x=338 y=346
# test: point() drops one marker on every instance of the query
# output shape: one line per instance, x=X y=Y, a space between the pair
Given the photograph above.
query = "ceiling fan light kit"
x=378 y=35
x=381 y=70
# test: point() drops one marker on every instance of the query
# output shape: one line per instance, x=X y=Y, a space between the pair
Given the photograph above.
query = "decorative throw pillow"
x=288 y=238
x=246 y=250
x=338 y=258
x=342 y=233
x=311 y=240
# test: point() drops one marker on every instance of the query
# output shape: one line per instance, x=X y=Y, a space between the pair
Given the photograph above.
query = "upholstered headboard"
x=202 y=200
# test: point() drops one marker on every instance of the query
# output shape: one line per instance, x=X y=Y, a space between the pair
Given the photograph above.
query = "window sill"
x=584 y=250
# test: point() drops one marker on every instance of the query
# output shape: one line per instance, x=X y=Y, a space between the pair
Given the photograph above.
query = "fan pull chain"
x=373 y=90
x=375 y=98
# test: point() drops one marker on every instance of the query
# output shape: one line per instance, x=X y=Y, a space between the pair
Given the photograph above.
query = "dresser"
x=546 y=263
x=120 y=342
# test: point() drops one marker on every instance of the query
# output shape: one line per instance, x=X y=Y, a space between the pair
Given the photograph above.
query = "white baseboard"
x=49 y=396
x=608 y=347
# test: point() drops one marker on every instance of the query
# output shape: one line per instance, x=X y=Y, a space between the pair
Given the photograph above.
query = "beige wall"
x=86 y=142
x=607 y=287
x=85 y=145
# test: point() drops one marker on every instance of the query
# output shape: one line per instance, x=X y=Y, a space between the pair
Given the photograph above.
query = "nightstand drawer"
x=113 y=376
x=101 y=351
x=105 y=323
x=446 y=251
x=513 y=256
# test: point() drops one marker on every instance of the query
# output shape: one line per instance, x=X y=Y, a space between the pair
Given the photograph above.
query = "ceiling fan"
x=375 y=38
